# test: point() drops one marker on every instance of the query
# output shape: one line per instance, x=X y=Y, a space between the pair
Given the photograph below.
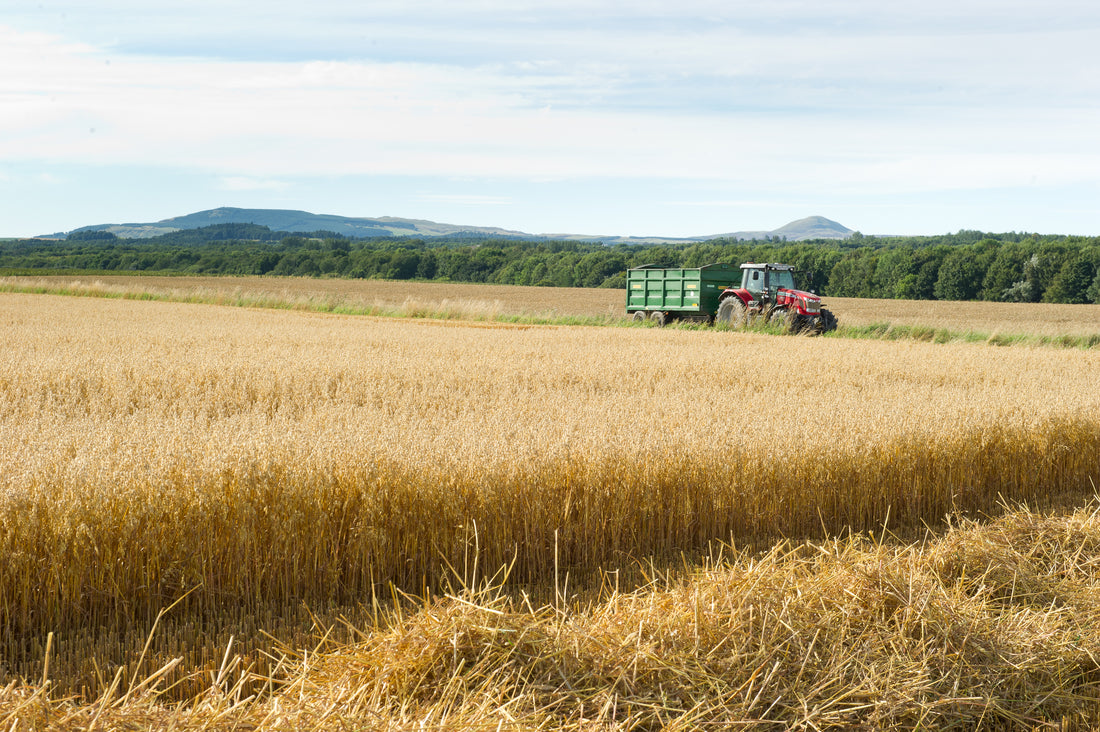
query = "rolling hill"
x=813 y=227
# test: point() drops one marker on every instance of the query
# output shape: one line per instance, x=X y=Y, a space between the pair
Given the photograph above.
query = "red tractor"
x=768 y=291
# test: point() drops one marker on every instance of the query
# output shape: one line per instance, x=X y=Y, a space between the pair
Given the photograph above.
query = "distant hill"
x=300 y=221
x=813 y=227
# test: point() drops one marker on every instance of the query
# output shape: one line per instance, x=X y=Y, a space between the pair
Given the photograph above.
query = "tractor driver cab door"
x=754 y=281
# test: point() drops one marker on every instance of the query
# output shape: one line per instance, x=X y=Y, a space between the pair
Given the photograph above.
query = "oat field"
x=246 y=467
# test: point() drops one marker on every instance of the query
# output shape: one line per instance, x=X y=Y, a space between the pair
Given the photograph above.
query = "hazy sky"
x=604 y=117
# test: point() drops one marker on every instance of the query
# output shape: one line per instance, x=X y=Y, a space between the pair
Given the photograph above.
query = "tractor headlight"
x=813 y=306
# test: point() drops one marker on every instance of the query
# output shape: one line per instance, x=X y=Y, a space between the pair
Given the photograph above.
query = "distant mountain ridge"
x=278 y=219
x=812 y=227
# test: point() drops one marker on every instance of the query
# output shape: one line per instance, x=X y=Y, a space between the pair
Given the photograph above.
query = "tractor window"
x=754 y=280
x=781 y=278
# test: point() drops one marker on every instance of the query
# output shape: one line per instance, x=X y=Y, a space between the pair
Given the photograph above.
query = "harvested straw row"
x=988 y=627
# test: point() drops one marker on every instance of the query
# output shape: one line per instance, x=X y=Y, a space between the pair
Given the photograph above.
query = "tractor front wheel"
x=784 y=318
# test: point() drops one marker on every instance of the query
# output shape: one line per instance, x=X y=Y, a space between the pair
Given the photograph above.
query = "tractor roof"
x=767 y=265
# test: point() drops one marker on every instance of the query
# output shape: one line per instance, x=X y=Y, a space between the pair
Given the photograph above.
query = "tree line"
x=968 y=265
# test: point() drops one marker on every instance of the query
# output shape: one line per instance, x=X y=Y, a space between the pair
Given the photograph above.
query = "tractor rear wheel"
x=731 y=312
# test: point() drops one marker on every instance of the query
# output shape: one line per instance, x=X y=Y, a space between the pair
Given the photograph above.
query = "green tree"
x=926 y=263
x=960 y=276
x=267 y=262
x=893 y=266
x=1071 y=284
x=403 y=265
x=852 y=276
x=92 y=235
x=1094 y=289
x=426 y=268
x=1039 y=272
x=594 y=269
x=1005 y=269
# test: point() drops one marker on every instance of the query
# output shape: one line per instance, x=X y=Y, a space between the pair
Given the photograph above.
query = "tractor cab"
x=763 y=281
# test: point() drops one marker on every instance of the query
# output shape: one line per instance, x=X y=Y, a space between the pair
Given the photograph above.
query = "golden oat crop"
x=262 y=459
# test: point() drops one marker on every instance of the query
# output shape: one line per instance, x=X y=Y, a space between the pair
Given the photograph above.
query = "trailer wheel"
x=659 y=318
x=639 y=316
x=731 y=312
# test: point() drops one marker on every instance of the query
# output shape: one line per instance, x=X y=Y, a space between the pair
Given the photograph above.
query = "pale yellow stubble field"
x=991 y=318
x=474 y=300
x=1038 y=319
x=261 y=457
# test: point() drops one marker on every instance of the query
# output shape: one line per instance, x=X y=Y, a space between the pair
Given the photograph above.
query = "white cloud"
x=780 y=98
x=255 y=120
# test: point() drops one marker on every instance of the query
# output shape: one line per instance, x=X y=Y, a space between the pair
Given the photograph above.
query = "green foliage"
x=1004 y=270
x=1094 y=289
x=960 y=276
x=967 y=265
x=853 y=276
x=91 y=235
x=1071 y=284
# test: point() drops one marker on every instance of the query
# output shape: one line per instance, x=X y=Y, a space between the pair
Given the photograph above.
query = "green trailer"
x=663 y=294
